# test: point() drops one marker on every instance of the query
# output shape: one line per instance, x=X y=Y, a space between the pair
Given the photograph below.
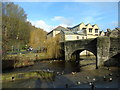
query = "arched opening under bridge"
x=85 y=58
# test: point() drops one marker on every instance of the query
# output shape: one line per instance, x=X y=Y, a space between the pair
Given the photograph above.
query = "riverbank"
x=21 y=60
x=74 y=74
x=27 y=75
x=77 y=80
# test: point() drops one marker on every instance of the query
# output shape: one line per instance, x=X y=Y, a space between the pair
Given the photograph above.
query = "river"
x=68 y=74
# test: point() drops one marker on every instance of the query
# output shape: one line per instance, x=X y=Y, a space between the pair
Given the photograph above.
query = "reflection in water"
x=56 y=65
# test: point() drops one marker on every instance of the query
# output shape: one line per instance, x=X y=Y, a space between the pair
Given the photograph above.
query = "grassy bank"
x=27 y=75
x=28 y=56
x=21 y=60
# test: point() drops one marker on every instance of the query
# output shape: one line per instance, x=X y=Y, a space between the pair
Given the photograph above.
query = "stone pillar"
x=67 y=56
x=67 y=52
x=103 y=46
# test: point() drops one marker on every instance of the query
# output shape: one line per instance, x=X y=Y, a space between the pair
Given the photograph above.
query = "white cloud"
x=42 y=24
x=63 y=20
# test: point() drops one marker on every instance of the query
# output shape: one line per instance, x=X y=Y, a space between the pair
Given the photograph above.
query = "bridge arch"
x=75 y=55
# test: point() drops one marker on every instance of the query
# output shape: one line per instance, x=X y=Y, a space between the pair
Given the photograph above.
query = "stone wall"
x=104 y=48
x=103 y=45
x=72 y=47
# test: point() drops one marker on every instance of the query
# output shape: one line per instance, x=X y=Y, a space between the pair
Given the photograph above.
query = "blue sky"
x=48 y=15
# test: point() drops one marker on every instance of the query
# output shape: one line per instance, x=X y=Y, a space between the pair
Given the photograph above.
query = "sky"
x=48 y=15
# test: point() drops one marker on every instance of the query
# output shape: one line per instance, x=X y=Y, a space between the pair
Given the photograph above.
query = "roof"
x=117 y=29
x=77 y=25
x=101 y=31
x=80 y=24
x=87 y=24
x=59 y=28
x=115 y=32
x=73 y=32
x=94 y=25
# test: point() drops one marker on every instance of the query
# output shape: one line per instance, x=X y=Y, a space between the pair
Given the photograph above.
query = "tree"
x=37 y=37
x=15 y=28
x=53 y=47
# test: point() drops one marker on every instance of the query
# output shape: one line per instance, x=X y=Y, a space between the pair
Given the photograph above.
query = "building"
x=91 y=31
x=102 y=33
x=114 y=33
x=72 y=35
x=80 y=31
x=56 y=31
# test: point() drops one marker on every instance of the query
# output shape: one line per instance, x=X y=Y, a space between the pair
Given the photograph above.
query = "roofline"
x=49 y=32
x=77 y=25
x=85 y=25
x=57 y=30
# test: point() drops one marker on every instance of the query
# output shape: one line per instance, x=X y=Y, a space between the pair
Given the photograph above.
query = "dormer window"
x=90 y=30
x=84 y=28
x=96 y=30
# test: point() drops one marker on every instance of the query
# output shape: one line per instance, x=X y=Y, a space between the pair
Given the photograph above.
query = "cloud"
x=63 y=20
x=42 y=24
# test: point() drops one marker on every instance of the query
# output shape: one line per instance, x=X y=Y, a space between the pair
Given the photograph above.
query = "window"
x=96 y=30
x=90 y=29
x=77 y=37
x=84 y=28
x=82 y=37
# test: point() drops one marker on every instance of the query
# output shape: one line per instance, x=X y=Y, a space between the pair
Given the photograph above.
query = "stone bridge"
x=102 y=47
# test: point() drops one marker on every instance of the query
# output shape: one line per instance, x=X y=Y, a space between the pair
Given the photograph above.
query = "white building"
x=56 y=31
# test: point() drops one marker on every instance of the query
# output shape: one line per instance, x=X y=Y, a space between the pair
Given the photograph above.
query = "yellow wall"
x=74 y=37
x=96 y=27
x=55 y=32
x=91 y=36
x=79 y=27
x=82 y=26
x=102 y=34
x=87 y=29
x=50 y=35
x=85 y=52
